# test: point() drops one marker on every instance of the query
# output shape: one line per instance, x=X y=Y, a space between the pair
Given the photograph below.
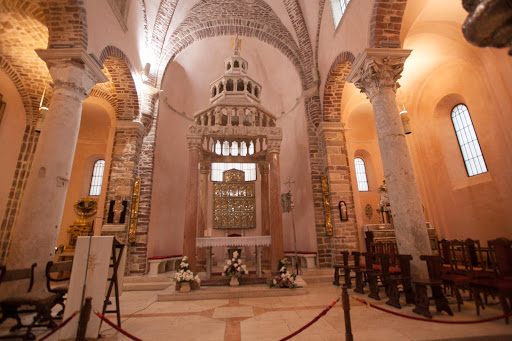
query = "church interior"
x=276 y=129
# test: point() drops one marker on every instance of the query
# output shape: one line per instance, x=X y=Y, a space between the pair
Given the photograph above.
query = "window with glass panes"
x=362 y=180
x=97 y=177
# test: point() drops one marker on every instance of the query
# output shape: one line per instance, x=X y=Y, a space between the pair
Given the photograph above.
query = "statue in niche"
x=385 y=206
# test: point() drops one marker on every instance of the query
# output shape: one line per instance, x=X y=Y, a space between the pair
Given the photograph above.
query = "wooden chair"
x=345 y=268
x=402 y=277
x=40 y=303
x=58 y=275
x=500 y=252
x=460 y=270
x=434 y=264
x=359 y=271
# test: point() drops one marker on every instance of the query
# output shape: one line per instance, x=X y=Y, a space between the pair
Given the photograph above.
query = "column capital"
x=204 y=167
x=195 y=142
x=376 y=69
x=73 y=70
x=274 y=144
x=264 y=167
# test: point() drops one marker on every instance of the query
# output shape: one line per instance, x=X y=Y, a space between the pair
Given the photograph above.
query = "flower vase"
x=185 y=287
x=234 y=282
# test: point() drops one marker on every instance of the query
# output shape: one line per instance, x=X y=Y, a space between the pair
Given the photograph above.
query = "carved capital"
x=273 y=144
x=195 y=141
x=204 y=167
x=377 y=69
x=264 y=167
x=74 y=72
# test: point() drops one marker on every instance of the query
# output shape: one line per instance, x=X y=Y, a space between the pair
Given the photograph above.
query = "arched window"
x=362 y=180
x=97 y=177
x=468 y=142
x=338 y=8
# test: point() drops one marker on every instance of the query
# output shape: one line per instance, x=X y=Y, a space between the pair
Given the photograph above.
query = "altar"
x=210 y=242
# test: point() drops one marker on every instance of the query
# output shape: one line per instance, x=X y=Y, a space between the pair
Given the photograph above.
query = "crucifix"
x=290 y=207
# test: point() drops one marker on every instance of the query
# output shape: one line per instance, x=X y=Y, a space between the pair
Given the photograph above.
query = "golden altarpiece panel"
x=234 y=202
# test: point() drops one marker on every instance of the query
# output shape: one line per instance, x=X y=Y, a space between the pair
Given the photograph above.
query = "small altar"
x=210 y=242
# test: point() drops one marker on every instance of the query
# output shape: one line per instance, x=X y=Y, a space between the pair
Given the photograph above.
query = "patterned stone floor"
x=272 y=318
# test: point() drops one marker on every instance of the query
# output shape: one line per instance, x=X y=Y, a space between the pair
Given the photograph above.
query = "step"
x=227 y=292
x=148 y=279
x=147 y=286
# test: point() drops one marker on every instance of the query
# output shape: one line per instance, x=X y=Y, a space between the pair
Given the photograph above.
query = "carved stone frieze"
x=489 y=23
x=377 y=69
x=236 y=131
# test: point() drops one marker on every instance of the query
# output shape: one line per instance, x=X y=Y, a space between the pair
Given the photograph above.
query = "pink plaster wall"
x=445 y=70
x=12 y=128
x=186 y=88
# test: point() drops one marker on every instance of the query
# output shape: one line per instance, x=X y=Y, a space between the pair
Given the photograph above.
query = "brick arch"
x=103 y=93
x=24 y=31
x=67 y=23
x=18 y=82
x=121 y=74
x=229 y=17
x=334 y=84
x=386 y=21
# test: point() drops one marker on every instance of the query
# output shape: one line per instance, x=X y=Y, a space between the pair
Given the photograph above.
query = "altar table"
x=210 y=242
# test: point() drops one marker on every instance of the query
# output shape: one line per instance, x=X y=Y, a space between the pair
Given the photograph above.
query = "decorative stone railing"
x=233 y=115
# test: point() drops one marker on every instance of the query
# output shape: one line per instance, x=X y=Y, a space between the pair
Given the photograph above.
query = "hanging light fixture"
x=42 y=114
x=406 y=121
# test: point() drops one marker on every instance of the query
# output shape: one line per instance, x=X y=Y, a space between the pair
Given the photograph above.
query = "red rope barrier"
x=59 y=326
x=310 y=323
x=113 y=325
x=432 y=320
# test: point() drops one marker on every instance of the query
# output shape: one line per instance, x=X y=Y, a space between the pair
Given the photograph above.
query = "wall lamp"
x=42 y=114
x=145 y=72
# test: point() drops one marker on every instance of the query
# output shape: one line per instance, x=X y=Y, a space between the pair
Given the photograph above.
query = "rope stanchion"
x=113 y=325
x=368 y=304
x=312 y=321
x=66 y=321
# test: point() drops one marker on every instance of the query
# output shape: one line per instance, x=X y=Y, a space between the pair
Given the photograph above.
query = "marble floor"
x=272 y=318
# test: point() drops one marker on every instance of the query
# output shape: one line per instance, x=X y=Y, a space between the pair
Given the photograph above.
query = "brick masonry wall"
x=67 y=23
x=139 y=251
x=386 y=21
x=122 y=173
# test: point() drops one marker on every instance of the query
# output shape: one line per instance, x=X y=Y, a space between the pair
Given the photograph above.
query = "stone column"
x=276 y=212
x=74 y=73
x=375 y=72
x=265 y=209
x=204 y=171
x=191 y=199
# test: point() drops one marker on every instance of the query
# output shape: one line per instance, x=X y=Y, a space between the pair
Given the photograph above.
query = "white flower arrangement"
x=284 y=279
x=234 y=267
x=184 y=274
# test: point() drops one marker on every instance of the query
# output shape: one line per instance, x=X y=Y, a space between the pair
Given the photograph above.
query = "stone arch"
x=256 y=20
x=386 y=21
x=121 y=74
x=67 y=23
x=334 y=84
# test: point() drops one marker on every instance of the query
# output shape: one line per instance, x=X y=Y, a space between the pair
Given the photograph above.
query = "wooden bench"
x=307 y=259
x=161 y=264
